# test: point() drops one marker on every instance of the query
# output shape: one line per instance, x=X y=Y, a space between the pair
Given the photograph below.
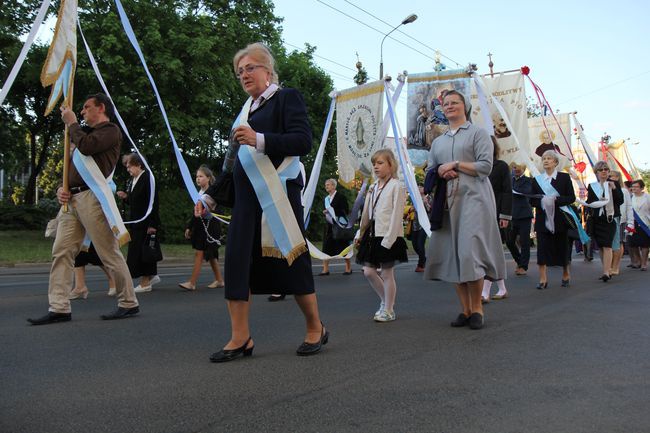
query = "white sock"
x=501 y=284
x=487 y=285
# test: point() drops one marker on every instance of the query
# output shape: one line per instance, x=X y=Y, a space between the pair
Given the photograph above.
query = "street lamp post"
x=409 y=19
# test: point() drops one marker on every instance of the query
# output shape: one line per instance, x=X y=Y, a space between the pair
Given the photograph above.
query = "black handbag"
x=151 y=252
x=223 y=190
x=343 y=233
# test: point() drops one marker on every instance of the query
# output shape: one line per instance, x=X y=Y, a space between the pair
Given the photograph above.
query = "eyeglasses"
x=603 y=169
x=249 y=69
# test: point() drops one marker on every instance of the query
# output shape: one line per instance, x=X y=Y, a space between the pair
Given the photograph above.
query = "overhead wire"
x=377 y=30
x=404 y=33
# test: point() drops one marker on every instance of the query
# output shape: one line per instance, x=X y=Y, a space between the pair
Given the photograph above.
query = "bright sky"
x=587 y=56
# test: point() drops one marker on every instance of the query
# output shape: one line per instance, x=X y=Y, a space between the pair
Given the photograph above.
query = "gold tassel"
x=277 y=254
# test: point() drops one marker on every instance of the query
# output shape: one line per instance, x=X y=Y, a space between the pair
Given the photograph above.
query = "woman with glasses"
x=604 y=198
x=267 y=252
x=554 y=193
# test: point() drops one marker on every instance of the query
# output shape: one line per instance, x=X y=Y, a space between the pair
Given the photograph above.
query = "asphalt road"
x=571 y=359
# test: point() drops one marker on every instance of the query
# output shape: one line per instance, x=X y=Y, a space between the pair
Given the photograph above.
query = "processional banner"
x=508 y=90
x=61 y=62
x=425 y=119
x=548 y=134
x=359 y=111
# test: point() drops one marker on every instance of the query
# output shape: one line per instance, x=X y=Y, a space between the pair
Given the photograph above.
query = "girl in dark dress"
x=331 y=246
x=603 y=225
x=553 y=244
x=204 y=234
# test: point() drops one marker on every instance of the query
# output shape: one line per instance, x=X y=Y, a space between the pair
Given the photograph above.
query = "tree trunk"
x=36 y=165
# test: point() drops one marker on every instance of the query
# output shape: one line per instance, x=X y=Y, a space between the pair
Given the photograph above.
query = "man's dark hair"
x=101 y=99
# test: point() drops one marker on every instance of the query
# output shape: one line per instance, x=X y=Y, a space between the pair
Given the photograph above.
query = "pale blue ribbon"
x=185 y=172
x=551 y=191
x=409 y=178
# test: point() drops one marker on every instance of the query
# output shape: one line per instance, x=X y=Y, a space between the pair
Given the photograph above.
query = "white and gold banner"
x=359 y=111
x=545 y=134
x=508 y=91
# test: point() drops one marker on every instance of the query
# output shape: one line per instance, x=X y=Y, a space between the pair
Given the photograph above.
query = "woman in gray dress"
x=467 y=247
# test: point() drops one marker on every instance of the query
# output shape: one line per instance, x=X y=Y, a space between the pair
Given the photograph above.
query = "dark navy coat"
x=282 y=119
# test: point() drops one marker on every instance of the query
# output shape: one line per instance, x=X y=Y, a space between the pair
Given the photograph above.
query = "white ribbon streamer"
x=23 y=52
x=152 y=180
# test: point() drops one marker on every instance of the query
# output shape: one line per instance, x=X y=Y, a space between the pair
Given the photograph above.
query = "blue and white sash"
x=638 y=203
x=331 y=217
x=99 y=185
x=549 y=190
x=281 y=235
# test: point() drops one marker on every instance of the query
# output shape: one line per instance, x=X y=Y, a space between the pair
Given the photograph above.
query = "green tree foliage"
x=189 y=46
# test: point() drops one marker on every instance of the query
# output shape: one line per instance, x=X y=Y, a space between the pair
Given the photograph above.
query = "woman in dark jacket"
x=605 y=198
x=138 y=198
x=339 y=205
x=553 y=244
x=274 y=124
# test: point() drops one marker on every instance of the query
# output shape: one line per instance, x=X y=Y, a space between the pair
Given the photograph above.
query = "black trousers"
x=519 y=228
x=418 y=238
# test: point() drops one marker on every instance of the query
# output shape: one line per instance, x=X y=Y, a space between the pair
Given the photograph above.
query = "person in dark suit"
x=275 y=127
x=553 y=244
x=138 y=198
x=341 y=209
x=522 y=217
x=604 y=219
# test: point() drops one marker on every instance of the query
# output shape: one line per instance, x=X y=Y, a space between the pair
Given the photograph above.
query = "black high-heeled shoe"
x=542 y=286
x=225 y=355
x=565 y=283
x=306 y=349
x=605 y=278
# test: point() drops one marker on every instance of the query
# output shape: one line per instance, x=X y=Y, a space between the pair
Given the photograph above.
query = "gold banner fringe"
x=293 y=254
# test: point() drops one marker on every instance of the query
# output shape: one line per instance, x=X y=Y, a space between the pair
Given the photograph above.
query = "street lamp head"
x=409 y=19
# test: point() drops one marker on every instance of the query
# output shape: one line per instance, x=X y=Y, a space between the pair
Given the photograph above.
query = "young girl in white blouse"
x=382 y=244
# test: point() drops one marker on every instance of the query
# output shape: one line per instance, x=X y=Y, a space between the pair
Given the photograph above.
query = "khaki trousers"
x=85 y=215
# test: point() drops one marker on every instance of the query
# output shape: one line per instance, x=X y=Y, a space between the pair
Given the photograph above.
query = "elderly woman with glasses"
x=553 y=193
x=604 y=198
x=267 y=251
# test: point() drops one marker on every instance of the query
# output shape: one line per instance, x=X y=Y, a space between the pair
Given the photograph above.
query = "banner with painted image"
x=359 y=111
x=508 y=90
x=545 y=134
x=425 y=118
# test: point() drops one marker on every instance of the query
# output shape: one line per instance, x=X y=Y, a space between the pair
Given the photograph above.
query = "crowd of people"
x=475 y=204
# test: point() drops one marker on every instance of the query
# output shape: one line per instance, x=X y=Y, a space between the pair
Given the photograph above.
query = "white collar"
x=552 y=176
x=266 y=94
x=332 y=195
x=135 y=179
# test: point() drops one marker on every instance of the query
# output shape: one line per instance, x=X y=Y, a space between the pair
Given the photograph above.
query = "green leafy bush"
x=26 y=217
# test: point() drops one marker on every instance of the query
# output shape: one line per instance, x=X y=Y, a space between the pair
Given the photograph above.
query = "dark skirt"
x=137 y=267
x=199 y=239
x=372 y=253
x=553 y=249
x=333 y=246
x=89 y=257
x=640 y=238
x=603 y=232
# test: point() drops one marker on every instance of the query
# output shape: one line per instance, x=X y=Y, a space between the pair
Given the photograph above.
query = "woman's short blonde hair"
x=600 y=165
x=261 y=54
x=388 y=155
x=553 y=154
